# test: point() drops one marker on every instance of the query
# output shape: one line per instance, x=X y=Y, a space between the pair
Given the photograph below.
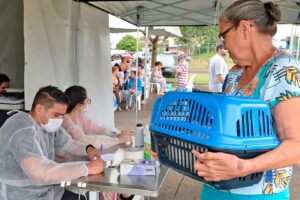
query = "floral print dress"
x=278 y=80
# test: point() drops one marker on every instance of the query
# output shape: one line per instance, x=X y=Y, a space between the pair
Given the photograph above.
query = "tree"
x=195 y=36
x=128 y=43
x=154 y=42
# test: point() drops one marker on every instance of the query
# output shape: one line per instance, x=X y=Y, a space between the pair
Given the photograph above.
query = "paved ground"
x=177 y=186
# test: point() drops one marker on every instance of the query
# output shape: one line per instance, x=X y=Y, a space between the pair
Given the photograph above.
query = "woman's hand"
x=124 y=136
x=96 y=166
x=154 y=155
x=219 y=166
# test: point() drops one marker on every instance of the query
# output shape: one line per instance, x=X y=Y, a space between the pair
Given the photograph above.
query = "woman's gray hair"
x=264 y=15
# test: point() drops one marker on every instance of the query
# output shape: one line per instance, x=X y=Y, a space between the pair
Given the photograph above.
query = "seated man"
x=4 y=82
x=28 y=145
x=133 y=90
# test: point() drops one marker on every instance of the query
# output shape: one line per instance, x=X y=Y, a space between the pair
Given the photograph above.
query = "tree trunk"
x=154 y=42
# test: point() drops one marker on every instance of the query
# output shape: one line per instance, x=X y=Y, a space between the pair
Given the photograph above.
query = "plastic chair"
x=157 y=87
x=190 y=85
x=138 y=99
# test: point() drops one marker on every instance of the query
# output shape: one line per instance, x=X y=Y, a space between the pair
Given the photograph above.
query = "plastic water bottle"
x=139 y=135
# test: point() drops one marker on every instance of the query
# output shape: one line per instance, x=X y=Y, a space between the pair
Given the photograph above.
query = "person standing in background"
x=217 y=70
x=182 y=74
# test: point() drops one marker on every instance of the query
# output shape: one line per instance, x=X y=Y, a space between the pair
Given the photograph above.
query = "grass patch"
x=201 y=61
x=199 y=79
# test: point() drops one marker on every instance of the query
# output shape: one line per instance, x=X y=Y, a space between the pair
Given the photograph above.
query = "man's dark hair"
x=76 y=95
x=157 y=63
x=48 y=96
x=3 y=78
x=219 y=46
x=141 y=65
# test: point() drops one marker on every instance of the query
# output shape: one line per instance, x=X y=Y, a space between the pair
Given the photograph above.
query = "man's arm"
x=220 y=78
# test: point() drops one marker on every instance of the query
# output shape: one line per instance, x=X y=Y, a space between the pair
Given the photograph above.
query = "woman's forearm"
x=287 y=154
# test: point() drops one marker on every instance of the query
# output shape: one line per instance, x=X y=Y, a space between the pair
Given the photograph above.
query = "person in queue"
x=217 y=70
x=182 y=71
x=261 y=71
x=29 y=143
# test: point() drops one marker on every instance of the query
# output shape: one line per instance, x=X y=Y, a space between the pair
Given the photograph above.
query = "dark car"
x=169 y=64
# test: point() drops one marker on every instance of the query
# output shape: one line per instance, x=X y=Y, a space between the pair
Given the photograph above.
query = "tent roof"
x=181 y=12
x=117 y=25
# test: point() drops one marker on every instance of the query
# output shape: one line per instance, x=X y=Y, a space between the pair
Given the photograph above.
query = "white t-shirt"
x=217 y=66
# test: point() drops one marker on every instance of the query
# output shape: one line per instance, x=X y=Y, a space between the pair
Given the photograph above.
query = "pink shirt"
x=88 y=131
x=182 y=74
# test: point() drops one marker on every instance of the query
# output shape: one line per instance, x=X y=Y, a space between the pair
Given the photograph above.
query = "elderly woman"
x=157 y=77
x=261 y=71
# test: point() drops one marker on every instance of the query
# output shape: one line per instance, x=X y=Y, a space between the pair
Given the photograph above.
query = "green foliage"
x=128 y=43
x=199 y=38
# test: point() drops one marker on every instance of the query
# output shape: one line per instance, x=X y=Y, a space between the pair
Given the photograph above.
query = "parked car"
x=142 y=55
x=169 y=64
x=116 y=59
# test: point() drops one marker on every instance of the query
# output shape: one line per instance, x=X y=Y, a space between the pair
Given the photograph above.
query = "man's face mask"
x=53 y=125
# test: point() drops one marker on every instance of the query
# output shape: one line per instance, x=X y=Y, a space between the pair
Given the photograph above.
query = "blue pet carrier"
x=205 y=122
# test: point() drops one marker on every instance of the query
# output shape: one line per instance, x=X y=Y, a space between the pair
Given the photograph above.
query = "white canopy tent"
x=181 y=12
x=67 y=43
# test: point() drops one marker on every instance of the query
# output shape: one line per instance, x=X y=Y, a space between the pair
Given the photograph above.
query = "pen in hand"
x=101 y=148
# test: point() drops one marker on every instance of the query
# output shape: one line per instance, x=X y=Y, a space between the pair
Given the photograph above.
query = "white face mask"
x=52 y=125
x=83 y=111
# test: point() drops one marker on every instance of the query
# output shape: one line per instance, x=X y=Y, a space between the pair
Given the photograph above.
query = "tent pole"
x=292 y=41
x=298 y=42
x=138 y=17
x=76 y=17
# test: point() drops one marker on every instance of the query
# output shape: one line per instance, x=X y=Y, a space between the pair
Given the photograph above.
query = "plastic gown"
x=27 y=169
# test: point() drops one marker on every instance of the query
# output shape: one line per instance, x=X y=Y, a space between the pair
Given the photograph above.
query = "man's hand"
x=93 y=154
x=96 y=166
x=132 y=90
x=124 y=136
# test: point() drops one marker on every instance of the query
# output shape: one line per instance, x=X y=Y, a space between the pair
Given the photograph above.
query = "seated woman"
x=157 y=77
x=83 y=129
